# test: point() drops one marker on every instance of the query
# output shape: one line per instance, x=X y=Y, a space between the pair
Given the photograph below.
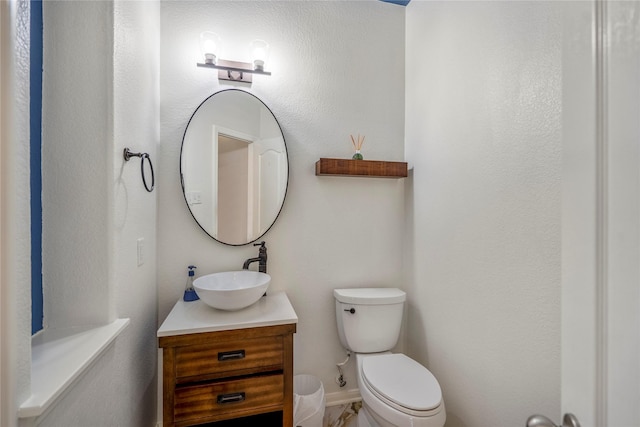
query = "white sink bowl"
x=232 y=290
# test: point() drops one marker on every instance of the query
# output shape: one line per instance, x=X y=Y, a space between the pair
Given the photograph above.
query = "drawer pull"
x=223 y=356
x=230 y=398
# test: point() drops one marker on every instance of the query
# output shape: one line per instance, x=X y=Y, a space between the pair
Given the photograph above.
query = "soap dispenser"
x=190 y=293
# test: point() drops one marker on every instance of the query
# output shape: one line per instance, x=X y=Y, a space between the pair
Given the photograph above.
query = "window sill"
x=59 y=357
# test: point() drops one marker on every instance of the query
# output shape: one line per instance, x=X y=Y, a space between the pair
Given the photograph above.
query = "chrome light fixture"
x=210 y=47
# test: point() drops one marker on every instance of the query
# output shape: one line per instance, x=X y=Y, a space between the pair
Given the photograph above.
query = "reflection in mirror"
x=234 y=167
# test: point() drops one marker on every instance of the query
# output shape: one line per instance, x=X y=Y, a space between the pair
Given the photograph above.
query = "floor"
x=341 y=416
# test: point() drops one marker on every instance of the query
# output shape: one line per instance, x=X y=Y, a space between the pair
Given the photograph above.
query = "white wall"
x=100 y=95
x=483 y=111
x=15 y=246
x=337 y=70
x=77 y=132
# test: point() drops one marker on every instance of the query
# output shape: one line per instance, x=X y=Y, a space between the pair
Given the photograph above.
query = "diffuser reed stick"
x=357 y=146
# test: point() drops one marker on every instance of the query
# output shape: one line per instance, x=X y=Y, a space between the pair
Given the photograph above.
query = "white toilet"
x=396 y=390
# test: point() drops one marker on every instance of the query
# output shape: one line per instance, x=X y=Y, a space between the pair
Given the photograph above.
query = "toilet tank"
x=369 y=319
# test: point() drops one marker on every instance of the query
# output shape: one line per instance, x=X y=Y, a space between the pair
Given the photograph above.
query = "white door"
x=270 y=180
x=601 y=214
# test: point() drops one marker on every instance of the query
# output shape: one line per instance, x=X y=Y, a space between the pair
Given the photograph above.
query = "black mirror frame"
x=284 y=141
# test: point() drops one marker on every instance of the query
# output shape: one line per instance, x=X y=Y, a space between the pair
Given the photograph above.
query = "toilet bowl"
x=396 y=390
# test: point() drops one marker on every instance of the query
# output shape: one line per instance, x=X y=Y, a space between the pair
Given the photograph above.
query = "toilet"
x=396 y=390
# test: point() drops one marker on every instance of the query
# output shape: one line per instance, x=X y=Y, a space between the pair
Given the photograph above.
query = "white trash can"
x=308 y=401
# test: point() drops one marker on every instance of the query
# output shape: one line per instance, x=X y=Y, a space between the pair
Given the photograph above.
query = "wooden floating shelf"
x=362 y=168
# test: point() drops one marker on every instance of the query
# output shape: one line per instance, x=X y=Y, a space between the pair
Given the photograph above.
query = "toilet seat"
x=402 y=383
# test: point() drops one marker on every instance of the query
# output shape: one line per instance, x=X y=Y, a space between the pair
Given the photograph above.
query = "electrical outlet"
x=140 y=251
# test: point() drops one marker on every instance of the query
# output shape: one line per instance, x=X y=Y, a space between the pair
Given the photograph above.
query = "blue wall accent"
x=35 y=119
x=400 y=2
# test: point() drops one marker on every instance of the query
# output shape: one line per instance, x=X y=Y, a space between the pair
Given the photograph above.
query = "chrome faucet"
x=262 y=259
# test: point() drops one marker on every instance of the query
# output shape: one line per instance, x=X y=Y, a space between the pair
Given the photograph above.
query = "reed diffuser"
x=357 y=146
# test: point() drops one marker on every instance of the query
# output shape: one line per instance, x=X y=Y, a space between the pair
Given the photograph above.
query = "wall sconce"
x=233 y=70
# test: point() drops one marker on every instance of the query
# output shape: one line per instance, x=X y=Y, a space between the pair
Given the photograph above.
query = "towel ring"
x=128 y=155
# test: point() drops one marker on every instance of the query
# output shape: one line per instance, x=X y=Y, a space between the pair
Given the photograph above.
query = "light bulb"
x=259 y=54
x=210 y=47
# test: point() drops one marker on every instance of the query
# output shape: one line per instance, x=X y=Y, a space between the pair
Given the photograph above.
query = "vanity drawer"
x=223 y=400
x=229 y=358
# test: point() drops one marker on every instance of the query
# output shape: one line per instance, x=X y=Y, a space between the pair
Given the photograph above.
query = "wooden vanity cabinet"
x=215 y=376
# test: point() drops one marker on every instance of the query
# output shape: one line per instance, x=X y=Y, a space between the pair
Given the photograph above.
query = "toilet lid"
x=402 y=381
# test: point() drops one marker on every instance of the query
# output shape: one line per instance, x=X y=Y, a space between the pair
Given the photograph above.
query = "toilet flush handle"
x=351 y=310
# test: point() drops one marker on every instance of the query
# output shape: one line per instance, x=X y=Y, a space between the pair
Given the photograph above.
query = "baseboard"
x=342 y=397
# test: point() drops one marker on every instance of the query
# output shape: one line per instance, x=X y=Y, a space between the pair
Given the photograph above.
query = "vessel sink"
x=232 y=290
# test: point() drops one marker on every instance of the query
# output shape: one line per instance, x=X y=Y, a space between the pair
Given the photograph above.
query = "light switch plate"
x=140 y=251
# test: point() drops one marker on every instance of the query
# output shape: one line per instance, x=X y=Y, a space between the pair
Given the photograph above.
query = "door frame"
x=600 y=216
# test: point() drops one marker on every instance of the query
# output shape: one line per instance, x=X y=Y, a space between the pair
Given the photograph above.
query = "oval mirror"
x=234 y=167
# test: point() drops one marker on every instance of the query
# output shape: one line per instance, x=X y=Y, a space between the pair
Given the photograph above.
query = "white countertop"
x=195 y=316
